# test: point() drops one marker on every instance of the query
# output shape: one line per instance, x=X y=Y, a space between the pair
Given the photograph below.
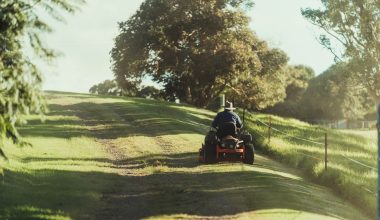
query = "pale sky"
x=87 y=38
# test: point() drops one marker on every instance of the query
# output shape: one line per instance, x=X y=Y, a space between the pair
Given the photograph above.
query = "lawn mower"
x=235 y=146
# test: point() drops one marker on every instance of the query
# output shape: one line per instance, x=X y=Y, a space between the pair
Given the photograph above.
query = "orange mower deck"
x=223 y=153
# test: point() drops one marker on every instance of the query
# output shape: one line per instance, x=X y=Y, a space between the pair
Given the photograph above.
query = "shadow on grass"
x=79 y=195
x=181 y=160
x=212 y=194
x=68 y=193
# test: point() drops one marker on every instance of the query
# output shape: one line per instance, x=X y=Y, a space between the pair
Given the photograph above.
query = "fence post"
x=378 y=156
x=269 y=129
x=326 y=151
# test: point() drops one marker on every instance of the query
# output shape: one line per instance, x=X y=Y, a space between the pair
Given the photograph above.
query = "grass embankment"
x=354 y=182
x=123 y=158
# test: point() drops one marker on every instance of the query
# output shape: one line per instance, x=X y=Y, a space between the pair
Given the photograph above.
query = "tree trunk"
x=189 y=98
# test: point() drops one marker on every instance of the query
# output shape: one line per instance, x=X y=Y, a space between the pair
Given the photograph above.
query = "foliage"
x=195 y=49
x=20 y=80
x=263 y=87
x=355 y=24
x=108 y=87
x=335 y=94
x=297 y=81
x=151 y=92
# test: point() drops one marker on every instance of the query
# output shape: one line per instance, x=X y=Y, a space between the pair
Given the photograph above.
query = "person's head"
x=229 y=107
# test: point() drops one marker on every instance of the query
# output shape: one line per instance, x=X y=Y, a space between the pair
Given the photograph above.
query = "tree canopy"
x=107 y=87
x=20 y=79
x=297 y=81
x=264 y=86
x=110 y=87
x=196 y=50
x=355 y=24
x=335 y=94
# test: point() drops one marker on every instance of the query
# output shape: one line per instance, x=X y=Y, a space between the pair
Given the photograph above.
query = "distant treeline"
x=110 y=87
x=332 y=95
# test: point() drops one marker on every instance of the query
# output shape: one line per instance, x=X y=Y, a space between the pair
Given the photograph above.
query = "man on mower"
x=226 y=122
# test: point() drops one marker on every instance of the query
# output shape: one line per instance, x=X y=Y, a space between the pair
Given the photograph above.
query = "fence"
x=325 y=144
x=346 y=124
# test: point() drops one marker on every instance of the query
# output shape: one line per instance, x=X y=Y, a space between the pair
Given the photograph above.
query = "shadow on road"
x=167 y=193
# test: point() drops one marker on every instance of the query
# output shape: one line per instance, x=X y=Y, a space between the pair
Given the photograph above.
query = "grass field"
x=124 y=158
x=351 y=180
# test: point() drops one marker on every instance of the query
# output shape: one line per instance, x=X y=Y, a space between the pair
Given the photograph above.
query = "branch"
x=32 y=6
x=329 y=33
x=331 y=50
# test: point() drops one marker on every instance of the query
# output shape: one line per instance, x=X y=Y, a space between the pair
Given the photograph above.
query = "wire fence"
x=325 y=144
x=291 y=136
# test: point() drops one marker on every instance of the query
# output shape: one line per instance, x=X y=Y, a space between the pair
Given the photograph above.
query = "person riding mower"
x=226 y=140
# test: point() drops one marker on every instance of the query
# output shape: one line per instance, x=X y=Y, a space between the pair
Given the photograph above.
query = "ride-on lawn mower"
x=235 y=146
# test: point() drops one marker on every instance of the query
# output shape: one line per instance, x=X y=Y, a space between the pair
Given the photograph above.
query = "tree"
x=355 y=24
x=335 y=95
x=297 y=82
x=195 y=49
x=108 y=87
x=262 y=87
x=151 y=92
x=20 y=79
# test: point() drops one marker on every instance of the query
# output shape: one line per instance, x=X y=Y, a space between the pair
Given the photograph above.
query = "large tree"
x=20 y=79
x=297 y=81
x=335 y=94
x=195 y=49
x=264 y=86
x=355 y=25
x=298 y=78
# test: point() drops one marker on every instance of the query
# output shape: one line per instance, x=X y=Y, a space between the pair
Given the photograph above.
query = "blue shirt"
x=227 y=116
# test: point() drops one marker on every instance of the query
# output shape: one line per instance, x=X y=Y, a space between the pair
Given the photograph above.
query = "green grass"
x=103 y=157
x=350 y=180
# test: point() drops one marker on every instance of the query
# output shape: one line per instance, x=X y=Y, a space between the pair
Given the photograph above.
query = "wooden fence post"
x=326 y=151
x=269 y=129
x=378 y=154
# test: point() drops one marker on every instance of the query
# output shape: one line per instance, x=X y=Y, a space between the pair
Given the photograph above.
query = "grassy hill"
x=99 y=157
x=352 y=156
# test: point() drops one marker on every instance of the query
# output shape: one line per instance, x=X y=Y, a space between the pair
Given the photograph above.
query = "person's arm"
x=215 y=122
x=239 y=124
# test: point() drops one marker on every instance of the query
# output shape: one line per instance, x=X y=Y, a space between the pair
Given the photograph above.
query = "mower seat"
x=225 y=129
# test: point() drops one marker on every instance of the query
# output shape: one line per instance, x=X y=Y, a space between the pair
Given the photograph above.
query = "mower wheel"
x=209 y=153
x=247 y=138
x=211 y=137
x=249 y=154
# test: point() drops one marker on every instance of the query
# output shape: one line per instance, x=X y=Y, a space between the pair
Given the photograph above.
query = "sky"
x=86 y=38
